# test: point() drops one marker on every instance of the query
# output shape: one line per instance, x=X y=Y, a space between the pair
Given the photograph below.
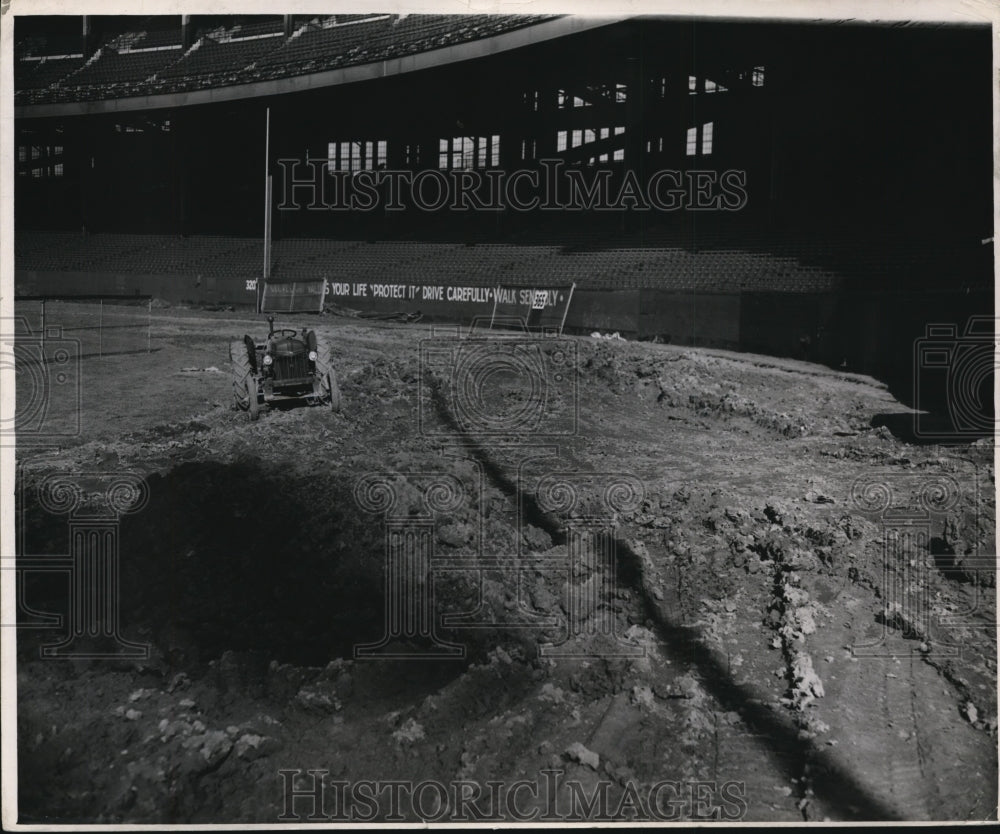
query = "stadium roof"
x=125 y=76
x=534 y=31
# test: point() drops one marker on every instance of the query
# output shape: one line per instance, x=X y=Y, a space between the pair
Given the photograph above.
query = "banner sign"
x=536 y=308
x=540 y=308
x=294 y=297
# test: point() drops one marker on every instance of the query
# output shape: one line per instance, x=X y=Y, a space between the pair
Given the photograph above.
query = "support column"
x=91 y=213
x=180 y=173
x=544 y=128
x=87 y=44
x=635 y=133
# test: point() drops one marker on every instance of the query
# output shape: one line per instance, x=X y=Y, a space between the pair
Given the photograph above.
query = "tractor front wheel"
x=325 y=371
x=253 y=404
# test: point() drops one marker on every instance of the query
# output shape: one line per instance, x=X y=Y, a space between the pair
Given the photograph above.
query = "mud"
x=763 y=626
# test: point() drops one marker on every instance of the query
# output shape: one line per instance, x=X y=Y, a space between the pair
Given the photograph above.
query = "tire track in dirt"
x=888 y=743
x=890 y=714
x=787 y=750
x=905 y=780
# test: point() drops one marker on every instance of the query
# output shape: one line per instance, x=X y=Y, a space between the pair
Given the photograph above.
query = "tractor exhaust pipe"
x=270 y=325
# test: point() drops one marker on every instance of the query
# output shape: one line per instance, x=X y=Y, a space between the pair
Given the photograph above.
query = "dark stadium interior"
x=866 y=151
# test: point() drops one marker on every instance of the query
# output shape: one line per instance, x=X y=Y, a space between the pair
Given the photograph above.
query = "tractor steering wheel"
x=286 y=331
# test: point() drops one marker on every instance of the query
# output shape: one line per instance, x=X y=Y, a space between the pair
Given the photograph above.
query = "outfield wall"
x=681 y=317
x=175 y=289
x=873 y=332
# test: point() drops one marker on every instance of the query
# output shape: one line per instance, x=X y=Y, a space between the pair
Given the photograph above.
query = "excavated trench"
x=240 y=557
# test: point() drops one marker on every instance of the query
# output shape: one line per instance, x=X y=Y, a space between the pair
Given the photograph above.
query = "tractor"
x=288 y=366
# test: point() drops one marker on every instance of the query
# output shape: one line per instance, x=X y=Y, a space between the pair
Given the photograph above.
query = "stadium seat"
x=150 y=59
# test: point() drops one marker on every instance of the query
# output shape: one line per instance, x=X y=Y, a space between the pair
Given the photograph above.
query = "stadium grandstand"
x=861 y=155
x=143 y=60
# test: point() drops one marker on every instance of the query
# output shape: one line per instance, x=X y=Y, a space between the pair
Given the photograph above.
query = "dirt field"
x=665 y=583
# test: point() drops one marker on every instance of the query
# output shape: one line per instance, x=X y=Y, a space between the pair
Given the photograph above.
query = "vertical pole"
x=269 y=188
x=267 y=205
x=773 y=100
x=85 y=36
x=100 y=330
x=562 y=324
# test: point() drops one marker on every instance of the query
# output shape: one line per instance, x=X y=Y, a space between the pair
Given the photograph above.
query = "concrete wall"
x=775 y=323
x=867 y=332
x=711 y=319
x=176 y=289
x=605 y=311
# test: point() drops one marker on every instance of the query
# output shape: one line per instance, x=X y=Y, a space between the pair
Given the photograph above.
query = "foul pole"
x=267 y=207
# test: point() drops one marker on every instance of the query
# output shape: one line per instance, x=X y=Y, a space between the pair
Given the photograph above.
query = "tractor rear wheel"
x=326 y=373
x=244 y=381
x=241 y=370
x=333 y=390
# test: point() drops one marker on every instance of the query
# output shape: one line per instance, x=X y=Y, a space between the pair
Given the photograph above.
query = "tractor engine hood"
x=287 y=347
